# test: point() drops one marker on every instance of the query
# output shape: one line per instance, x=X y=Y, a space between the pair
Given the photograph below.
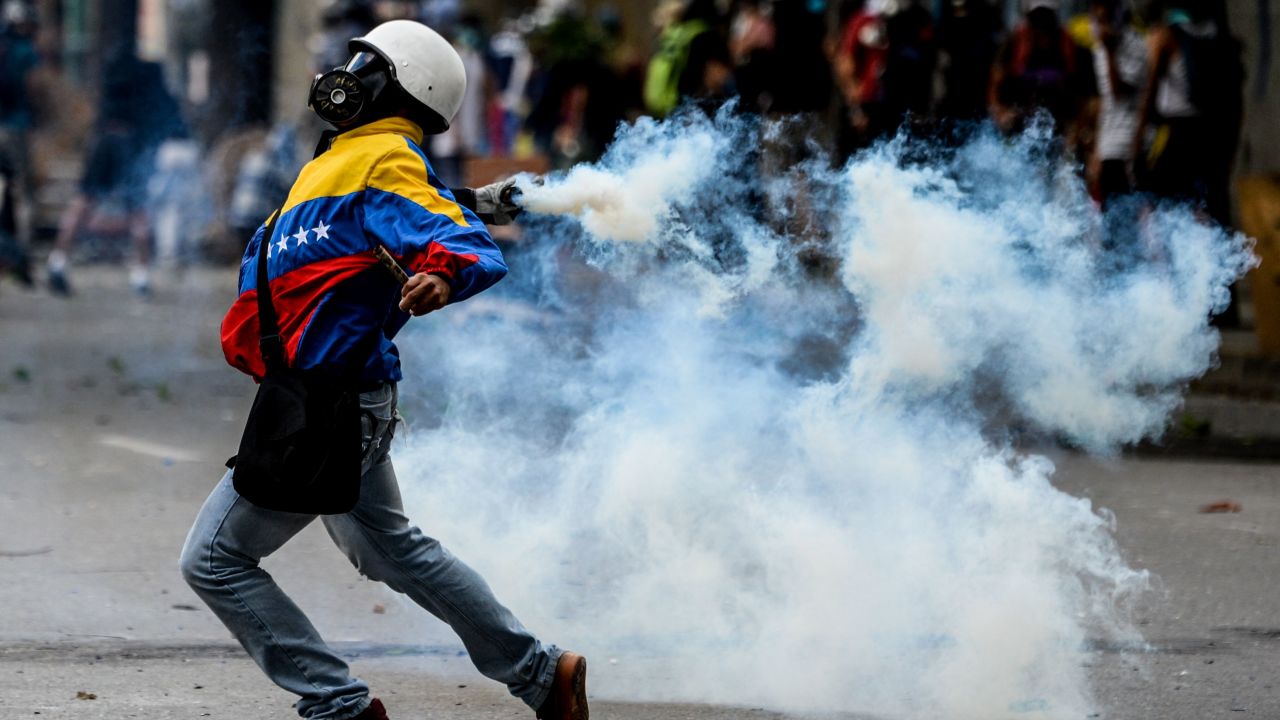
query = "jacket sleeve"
x=417 y=219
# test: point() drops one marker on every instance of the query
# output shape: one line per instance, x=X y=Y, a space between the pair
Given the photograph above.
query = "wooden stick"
x=391 y=265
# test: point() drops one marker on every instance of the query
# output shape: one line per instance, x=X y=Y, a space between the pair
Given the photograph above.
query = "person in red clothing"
x=1039 y=69
x=859 y=64
x=884 y=66
x=338 y=313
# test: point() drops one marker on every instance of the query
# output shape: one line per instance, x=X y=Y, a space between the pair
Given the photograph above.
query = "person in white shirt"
x=1120 y=65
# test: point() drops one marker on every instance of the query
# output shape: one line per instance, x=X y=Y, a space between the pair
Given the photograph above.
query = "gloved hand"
x=498 y=201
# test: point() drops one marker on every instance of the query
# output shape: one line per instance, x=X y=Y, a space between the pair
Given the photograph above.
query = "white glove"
x=498 y=200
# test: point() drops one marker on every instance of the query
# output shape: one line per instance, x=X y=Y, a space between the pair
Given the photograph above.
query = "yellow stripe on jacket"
x=373 y=155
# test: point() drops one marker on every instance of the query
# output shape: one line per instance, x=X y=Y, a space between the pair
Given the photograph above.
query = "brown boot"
x=568 y=697
x=375 y=711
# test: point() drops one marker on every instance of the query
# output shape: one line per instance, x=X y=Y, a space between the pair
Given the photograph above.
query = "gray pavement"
x=115 y=416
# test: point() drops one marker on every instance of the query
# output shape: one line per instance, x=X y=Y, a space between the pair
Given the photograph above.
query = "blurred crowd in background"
x=1143 y=97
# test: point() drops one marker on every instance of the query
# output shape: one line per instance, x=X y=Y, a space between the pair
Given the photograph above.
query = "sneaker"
x=140 y=281
x=568 y=697
x=58 y=283
x=375 y=711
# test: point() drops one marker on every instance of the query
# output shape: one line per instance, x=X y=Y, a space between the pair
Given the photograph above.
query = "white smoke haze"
x=628 y=199
x=750 y=480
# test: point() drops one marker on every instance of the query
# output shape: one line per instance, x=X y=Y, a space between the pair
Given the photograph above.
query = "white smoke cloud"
x=628 y=199
x=755 y=483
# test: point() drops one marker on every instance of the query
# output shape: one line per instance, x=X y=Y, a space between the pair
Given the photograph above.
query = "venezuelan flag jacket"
x=335 y=302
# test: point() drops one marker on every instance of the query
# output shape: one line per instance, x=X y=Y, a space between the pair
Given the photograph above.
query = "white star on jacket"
x=281 y=245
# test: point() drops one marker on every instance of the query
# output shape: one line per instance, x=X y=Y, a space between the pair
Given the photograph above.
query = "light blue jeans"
x=220 y=561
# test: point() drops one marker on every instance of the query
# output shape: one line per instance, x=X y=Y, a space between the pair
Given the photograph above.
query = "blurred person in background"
x=510 y=66
x=578 y=105
x=13 y=254
x=793 y=102
x=178 y=200
x=909 y=67
x=1039 y=69
x=1120 y=66
x=692 y=60
x=466 y=134
x=800 y=73
x=861 y=55
x=839 y=46
x=884 y=65
x=968 y=38
x=340 y=21
x=136 y=115
x=626 y=62
x=263 y=179
x=1193 y=102
x=18 y=57
x=1193 y=106
x=441 y=15
x=780 y=65
x=751 y=46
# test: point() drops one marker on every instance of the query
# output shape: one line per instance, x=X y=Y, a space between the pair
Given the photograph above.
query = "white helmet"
x=422 y=63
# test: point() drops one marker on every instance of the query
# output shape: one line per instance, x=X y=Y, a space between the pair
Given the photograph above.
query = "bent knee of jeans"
x=193 y=565
x=385 y=559
x=369 y=569
x=368 y=561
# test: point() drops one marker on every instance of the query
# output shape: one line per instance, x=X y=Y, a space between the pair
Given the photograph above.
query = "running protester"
x=338 y=311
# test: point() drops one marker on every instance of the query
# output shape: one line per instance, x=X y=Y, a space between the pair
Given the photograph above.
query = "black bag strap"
x=270 y=343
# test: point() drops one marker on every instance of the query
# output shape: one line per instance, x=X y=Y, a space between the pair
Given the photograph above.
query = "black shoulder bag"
x=301 y=448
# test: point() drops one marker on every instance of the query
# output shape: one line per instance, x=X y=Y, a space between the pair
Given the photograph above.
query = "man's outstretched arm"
x=426 y=230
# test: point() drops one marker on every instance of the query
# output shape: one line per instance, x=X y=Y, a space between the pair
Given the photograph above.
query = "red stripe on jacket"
x=295 y=296
x=436 y=259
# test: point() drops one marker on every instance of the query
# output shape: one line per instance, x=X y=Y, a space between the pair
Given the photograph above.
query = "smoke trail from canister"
x=630 y=198
x=763 y=452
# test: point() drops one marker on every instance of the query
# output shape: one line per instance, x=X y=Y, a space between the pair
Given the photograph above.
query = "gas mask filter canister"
x=341 y=95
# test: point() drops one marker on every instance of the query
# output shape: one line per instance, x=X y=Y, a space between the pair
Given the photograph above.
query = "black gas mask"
x=343 y=94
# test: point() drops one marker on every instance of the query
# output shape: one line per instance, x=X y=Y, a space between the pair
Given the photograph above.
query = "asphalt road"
x=115 y=415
